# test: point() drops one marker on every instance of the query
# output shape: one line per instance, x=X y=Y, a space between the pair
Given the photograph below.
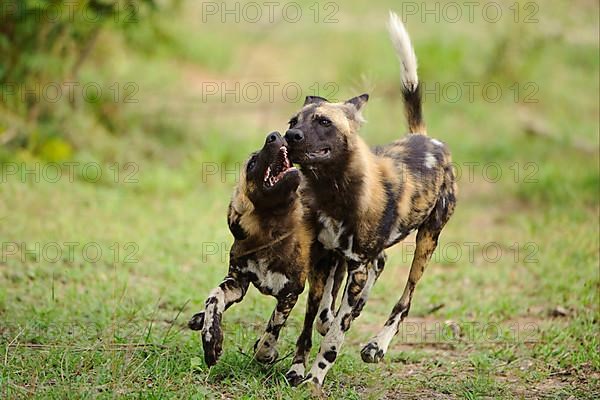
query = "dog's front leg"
x=265 y=347
x=337 y=268
x=374 y=271
x=231 y=290
x=332 y=342
x=317 y=280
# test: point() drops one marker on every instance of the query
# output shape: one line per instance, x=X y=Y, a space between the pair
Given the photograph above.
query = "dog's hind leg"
x=427 y=237
x=231 y=290
x=265 y=350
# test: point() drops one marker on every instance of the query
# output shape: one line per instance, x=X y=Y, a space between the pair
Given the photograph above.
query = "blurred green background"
x=165 y=100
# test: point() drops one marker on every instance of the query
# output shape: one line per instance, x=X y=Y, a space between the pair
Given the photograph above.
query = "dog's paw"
x=266 y=354
x=212 y=342
x=371 y=353
x=196 y=323
x=267 y=357
x=293 y=378
x=313 y=383
x=212 y=353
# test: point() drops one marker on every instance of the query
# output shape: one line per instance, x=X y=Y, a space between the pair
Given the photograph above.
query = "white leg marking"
x=326 y=303
x=332 y=341
x=383 y=339
x=298 y=368
x=385 y=336
x=212 y=309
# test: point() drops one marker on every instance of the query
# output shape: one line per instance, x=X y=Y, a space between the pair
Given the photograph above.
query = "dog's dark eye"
x=324 y=121
x=251 y=164
x=293 y=122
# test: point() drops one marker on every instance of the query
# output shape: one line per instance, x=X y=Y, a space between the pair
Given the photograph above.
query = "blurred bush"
x=44 y=45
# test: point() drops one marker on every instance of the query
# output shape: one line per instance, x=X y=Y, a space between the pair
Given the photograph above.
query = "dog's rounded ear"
x=315 y=100
x=359 y=101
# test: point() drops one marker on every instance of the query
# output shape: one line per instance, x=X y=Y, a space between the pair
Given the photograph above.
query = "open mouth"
x=278 y=168
x=323 y=153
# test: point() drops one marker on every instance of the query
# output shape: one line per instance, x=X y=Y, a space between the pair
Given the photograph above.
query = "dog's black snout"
x=272 y=137
x=294 y=136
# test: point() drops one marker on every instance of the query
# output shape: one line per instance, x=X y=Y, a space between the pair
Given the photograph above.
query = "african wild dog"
x=271 y=248
x=367 y=200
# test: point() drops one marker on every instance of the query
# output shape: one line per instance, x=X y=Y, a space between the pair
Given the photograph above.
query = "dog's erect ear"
x=359 y=101
x=315 y=100
x=233 y=220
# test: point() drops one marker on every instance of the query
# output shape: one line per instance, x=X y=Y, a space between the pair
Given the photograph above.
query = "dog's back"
x=421 y=174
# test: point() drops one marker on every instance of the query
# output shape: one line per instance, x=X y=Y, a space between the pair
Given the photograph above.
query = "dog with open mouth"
x=366 y=200
x=271 y=249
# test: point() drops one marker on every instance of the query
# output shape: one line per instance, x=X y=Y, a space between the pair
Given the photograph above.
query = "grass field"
x=509 y=305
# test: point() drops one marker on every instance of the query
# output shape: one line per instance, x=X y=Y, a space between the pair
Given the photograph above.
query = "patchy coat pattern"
x=271 y=248
x=364 y=200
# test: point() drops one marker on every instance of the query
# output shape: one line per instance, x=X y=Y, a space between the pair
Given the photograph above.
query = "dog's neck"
x=339 y=189
x=284 y=217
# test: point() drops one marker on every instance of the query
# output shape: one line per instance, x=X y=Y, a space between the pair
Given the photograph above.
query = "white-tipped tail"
x=405 y=52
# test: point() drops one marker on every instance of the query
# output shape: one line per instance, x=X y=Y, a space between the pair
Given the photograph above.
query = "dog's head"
x=270 y=179
x=323 y=133
x=268 y=184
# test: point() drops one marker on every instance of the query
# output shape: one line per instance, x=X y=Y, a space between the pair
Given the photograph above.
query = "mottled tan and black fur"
x=271 y=248
x=365 y=200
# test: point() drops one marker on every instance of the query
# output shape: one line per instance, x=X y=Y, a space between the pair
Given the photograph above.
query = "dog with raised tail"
x=365 y=200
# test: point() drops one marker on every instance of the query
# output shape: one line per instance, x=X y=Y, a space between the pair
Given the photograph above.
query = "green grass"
x=117 y=327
